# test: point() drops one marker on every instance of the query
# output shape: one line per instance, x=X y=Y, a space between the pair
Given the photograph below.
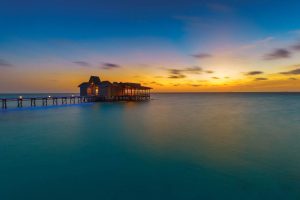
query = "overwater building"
x=105 y=90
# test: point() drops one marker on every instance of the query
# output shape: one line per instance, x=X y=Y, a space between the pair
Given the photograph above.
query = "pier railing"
x=45 y=101
x=61 y=100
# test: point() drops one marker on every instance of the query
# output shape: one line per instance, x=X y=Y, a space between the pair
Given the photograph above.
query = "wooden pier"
x=45 y=101
x=62 y=100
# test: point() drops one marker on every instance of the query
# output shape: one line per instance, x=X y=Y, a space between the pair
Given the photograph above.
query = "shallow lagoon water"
x=176 y=146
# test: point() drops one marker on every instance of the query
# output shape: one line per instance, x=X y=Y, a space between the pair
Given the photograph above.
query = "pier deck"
x=61 y=100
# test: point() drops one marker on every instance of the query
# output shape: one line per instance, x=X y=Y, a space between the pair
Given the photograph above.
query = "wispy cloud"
x=193 y=70
x=110 y=66
x=5 y=64
x=219 y=7
x=285 y=52
x=295 y=32
x=156 y=83
x=258 y=43
x=295 y=66
x=278 y=54
x=82 y=63
x=292 y=72
x=209 y=71
x=181 y=73
x=253 y=73
x=175 y=71
x=296 y=46
x=178 y=76
x=261 y=79
x=293 y=79
x=196 y=85
x=202 y=55
x=215 y=77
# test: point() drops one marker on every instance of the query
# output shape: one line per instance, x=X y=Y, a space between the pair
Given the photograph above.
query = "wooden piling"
x=54 y=99
x=4 y=104
x=20 y=102
x=32 y=102
x=45 y=101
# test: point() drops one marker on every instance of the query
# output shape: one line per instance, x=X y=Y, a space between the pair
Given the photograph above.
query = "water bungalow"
x=91 y=91
x=116 y=91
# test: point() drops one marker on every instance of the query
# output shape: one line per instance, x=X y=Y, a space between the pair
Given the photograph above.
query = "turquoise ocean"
x=177 y=146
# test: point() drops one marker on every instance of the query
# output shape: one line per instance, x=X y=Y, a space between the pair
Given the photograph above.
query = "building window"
x=89 y=91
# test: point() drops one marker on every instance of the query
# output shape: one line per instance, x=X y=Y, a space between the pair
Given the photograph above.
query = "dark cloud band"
x=4 y=63
x=82 y=63
x=253 y=73
x=278 y=54
x=202 y=55
x=292 y=72
x=110 y=66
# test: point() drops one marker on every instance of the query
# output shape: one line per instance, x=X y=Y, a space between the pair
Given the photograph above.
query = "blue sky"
x=148 y=38
x=131 y=18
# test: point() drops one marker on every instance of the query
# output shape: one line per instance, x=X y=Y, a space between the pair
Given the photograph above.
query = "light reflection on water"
x=178 y=146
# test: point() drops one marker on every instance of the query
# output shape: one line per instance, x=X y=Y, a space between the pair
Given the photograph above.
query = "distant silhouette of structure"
x=105 y=90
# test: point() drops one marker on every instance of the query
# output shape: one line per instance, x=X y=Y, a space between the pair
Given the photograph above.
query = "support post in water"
x=20 y=102
x=45 y=101
x=4 y=104
x=32 y=102
x=64 y=100
x=72 y=100
x=54 y=100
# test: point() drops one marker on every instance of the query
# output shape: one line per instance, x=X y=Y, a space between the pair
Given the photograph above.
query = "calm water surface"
x=177 y=146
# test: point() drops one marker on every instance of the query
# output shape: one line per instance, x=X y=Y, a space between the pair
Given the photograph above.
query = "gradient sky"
x=178 y=45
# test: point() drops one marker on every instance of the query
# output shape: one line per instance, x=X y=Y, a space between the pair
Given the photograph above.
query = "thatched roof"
x=105 y=84
x=95 y=80
x=84 y=84
x=134 y=86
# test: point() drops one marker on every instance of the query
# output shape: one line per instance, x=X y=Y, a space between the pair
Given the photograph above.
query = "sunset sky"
x=172 y=46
